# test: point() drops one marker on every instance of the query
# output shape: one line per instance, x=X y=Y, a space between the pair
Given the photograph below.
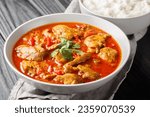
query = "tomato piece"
x=77 y=40
x=31 y=41
x=59 y=72
x=90 y=32
x=39 y=71
x=50 y=69
x=75 y=55
x=48 y=41
x=94 y=56
x=84 y=48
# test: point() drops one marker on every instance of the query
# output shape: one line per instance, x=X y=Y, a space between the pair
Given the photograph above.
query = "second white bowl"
x=128 y=25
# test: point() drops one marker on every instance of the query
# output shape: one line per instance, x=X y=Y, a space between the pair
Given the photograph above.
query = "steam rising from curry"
x=66 y=53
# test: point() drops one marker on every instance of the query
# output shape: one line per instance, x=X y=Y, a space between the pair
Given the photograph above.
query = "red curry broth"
x=103 y=68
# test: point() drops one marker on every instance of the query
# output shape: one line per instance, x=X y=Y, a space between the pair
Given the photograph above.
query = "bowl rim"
x=113 y=18
x=65 y=85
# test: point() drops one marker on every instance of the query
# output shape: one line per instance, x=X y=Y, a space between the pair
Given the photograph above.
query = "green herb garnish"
x=66 y=53
x=79 y=52
x=66 y=49
x=54 y=53
x=76 y=46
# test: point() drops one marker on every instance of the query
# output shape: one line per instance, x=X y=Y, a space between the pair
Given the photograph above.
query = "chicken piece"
x=35 y=38
x=81 y=29
x=90 y=32
x=47 y=76
x=67 y=78
x=63 y=31
x=52 y=47
x=29 y=67
x=39 y=40
x=35 y=53
x=59 y=59
x=68 y=67
x=108 y=54
x=47 y=33
x=94 y=43
x=37 y=69
x=104 y=35
x=80 y=59
x=78 y=32
x=87 y=72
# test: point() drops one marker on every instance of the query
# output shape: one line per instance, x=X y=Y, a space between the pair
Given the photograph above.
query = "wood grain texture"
x=7 y=76
x=12 y=14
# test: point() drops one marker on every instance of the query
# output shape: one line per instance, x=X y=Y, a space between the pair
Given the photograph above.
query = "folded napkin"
x=25 y=91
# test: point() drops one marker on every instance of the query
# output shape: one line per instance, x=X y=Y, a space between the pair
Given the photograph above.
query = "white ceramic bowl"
x=128 y=25
x=92 y=20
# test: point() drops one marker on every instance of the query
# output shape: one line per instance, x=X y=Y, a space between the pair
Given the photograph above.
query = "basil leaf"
x=54 y=53
x=78 y=52
x=63 y=40
x=69 y=44
x=66 y=48
x=60 y=45
x=66 y=53
x=76 y=46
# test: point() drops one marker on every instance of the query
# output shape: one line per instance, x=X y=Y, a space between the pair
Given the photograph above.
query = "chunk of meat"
x=94 y=43
x=47 y=33
x=108 y=54
x=81 y=29
x=59 y=70
x=35 y=53
x=52 y=47
x=104 y=35
x=87 y=72
x=90 y=32
x=59 y=59
x=63 y=31
x=67 y=78
x=47 y=76
x=35 y=37
x=37 y=69
x=80 y=59
x=29 y=67
x=68 y=67
x=50 y=39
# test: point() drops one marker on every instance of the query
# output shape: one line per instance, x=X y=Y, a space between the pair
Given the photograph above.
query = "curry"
x=66 y=53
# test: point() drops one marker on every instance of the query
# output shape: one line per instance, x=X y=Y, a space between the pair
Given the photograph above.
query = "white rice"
x=118 y=8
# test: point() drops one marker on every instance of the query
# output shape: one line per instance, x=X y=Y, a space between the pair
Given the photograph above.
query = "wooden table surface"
x=15 y=12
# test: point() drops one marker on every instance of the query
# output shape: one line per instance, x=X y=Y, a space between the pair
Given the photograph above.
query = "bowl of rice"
x=132 y=16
